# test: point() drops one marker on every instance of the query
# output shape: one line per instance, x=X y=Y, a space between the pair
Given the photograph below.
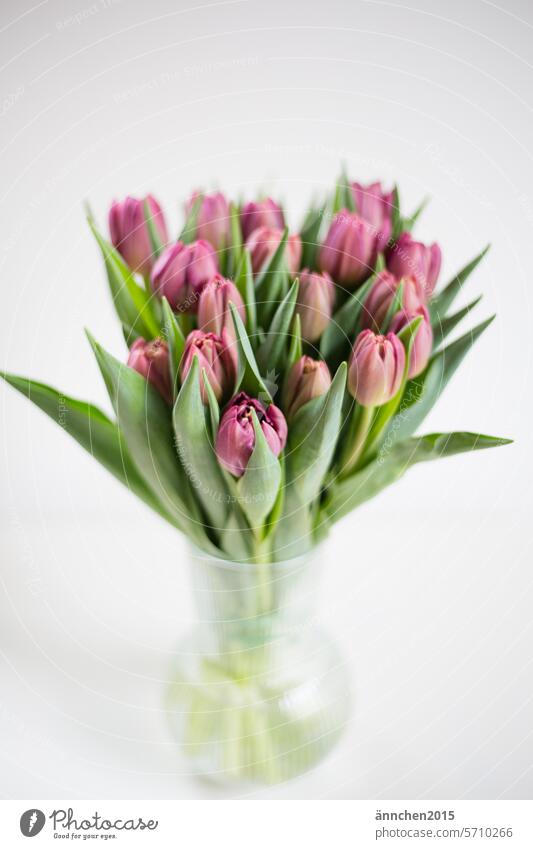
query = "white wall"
x=107 y=98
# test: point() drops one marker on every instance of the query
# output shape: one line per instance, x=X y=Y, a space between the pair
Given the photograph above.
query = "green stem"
x=375 y=434
x=264 y=586
x=359 y=428
x=148 y=285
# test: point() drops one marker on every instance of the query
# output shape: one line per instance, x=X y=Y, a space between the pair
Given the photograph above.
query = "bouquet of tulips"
x=274 y=381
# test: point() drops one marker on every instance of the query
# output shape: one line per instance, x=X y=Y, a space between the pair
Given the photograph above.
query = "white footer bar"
x=267 y=824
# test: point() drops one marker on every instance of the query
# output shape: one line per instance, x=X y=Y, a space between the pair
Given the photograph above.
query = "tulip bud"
x=129 y=232
x=350 y=249
x=213 y=223
x=376 y=207
x=213 y=307
x=181 y=271
x=262 y=243
x=151 y=360
x=262 y=213
x=383 y=292
x=217 y=355
x=307 y=379
x=316 y=296
x=408 y=257
x=236 y=435
x=376 y=368
x=423 y=341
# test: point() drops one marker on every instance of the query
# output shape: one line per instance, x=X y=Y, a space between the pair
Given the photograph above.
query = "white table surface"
x=436 y=639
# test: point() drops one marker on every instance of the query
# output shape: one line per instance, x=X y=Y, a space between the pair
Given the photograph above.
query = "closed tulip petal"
x=236 y=436
x=350 y=249
x=181 y=272
x=410 y=258
x=129 y=232
x=376 y=368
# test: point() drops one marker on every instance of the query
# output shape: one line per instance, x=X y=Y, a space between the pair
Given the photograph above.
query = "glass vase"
x=258 y=691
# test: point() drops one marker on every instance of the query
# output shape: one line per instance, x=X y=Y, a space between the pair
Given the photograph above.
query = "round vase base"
x=262 y=713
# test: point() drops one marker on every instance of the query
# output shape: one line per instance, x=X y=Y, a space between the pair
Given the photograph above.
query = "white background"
x=428 y=588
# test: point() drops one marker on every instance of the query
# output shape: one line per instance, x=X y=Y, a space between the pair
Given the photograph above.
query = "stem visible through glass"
x=264 y=584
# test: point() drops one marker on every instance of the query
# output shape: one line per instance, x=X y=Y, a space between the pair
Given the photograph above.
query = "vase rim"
x=247 y=565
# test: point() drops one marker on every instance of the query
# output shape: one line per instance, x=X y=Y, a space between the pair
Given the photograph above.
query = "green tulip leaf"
x=422 y=392
x=310 y=236
x=92 y=429
x=153 y=233
x=235 y=538
x=248 y=378
x=244 y=281
x=407 y=336
x=337 y=200
x=384 y=414
x=145 y=421
x=340 y=333
x=235 y=247
x=440 y=303
x=344 y=198
x=188 y=232
x=258 y=488
x=293 y=534
x=295 y=348
x=380 y=265
x=394 y=307
x=274 y=349
x=397 y=222
x=214 y=409
x=135 y=308
x=235 y=518
x=271 y=281
x=391 y=463
x=408 y=224
x=445 y=326
x=312 y=439
x=277 y=510
x=175 y=341
x=196 y=449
